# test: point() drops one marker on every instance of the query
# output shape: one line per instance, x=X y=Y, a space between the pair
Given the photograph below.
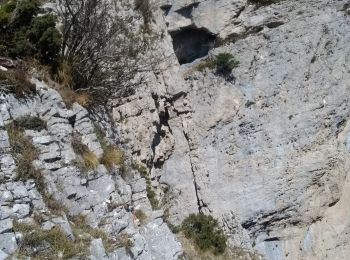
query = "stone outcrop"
x=266 y=152
x=106 y=199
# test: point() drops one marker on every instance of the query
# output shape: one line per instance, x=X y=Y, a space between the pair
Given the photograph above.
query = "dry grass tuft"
x=112 y=156
x=70 y=96
x=48 y=244
x=24 y=153
x=80 y=227
x=89 y=159
x=17 y=82
x=141 y=216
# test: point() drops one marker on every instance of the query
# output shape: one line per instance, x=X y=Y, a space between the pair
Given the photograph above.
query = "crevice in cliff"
x=192 y=43
x=160 y=131
x=200 y=202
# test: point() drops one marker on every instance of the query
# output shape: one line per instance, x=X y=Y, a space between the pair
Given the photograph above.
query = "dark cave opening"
x=192 y=43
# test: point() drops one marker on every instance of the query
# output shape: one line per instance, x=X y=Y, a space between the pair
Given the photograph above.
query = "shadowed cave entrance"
x=191 y=43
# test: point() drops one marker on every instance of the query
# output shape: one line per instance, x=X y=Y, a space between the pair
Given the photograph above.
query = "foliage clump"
x=32 y=123
x=223 y=63
x=25 y=34
x=204 y=230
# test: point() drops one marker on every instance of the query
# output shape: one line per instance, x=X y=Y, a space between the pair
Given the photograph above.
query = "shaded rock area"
x=191 y=44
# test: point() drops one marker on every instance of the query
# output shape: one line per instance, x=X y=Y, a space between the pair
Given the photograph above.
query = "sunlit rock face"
x=266 y=152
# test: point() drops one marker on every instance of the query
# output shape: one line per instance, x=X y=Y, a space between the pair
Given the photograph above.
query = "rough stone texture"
x=267 y=152
x=103 y=196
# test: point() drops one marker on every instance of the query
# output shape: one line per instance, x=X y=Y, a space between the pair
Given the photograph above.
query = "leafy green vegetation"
x=27 y=35
x=32 y=123
x=204 y=230
x=223 y=63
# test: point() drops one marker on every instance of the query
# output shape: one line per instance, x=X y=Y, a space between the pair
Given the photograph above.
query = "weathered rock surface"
x=267 y=152
x=103 y=196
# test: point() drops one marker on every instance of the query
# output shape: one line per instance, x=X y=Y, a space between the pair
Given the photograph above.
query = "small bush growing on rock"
x=112 y=156
x=225 y=63
x=141 y=216
x=32 y=123
x=205 y=64
x=140 y=168
x=125 y=241
x=151 y=195
x=24 y=34
x=204 y=230
x=71 y=96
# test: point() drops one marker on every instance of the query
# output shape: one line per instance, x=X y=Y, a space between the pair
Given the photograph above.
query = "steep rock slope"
x=266 y=152
x=101 y=197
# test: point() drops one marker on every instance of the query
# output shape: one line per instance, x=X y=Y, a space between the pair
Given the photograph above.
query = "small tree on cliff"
x=102 y=47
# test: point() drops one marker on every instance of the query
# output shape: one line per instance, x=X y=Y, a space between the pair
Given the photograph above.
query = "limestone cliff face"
x=267 y=153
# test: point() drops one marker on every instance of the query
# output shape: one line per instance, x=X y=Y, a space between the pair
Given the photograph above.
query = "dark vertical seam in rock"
x=194 y=175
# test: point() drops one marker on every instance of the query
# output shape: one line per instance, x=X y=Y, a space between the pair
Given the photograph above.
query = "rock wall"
x=107 y=200
x=266 y=152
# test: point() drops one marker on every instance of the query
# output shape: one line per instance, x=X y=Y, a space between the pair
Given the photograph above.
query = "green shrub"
x=151 y=195
x=26 y=35
x=32 y=123
x=6 y=10
x=225 y=63
x=204 y=230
